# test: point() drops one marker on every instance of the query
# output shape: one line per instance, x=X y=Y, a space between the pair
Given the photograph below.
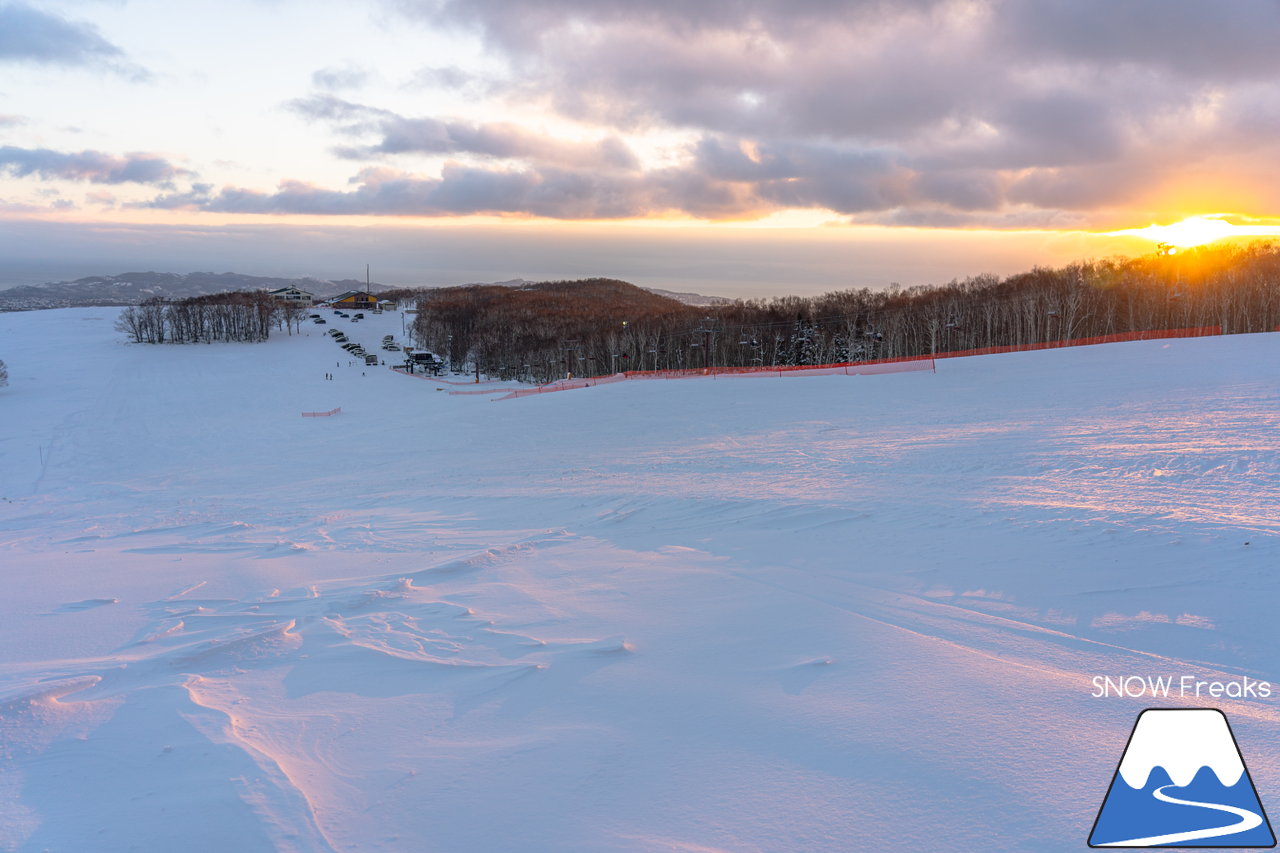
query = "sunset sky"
x=739 y=147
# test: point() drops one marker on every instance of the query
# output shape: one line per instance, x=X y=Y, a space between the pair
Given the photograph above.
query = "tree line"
x=545 y=331
x=245 y=316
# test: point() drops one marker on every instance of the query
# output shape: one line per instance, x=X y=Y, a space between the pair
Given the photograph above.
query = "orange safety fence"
x=322 y=414
x=853 y=368
x=842 y=368
x=1117 y=337
x=845 y=369
x=565 y=385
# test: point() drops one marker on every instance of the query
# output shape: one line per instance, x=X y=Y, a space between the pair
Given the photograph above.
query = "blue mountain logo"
x=1182 y=783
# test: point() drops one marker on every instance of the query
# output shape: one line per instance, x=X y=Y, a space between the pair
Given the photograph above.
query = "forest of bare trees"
x=236 y=316
x=597 y=326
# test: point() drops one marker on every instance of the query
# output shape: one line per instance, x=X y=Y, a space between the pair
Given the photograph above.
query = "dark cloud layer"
x=727 y=262
x=91 y=166
x=962 y=106
x=1000 y=113
x=460 y=190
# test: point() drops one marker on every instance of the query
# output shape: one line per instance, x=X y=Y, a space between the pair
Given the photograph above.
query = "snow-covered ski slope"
x=810 y=614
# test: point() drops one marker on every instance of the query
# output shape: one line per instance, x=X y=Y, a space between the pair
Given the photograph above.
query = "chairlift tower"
x=707 y=328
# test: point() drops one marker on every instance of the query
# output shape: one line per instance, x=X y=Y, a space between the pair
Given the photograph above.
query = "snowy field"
x=807 y=614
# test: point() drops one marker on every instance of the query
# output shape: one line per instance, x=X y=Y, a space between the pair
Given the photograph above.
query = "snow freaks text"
x=1178 y=687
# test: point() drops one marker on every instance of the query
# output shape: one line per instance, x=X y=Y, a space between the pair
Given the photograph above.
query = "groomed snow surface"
x=805 y=614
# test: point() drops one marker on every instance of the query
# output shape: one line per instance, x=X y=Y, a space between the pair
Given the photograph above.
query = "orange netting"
x=851 y=368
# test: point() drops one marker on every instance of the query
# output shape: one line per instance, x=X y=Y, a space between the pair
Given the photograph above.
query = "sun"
x=1197 y=231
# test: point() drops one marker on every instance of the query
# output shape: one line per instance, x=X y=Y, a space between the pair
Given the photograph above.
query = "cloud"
x=31 y=35
x=335 y=78
x=433 y=136
x=989 y=113
x=100 y=198
x=961 y=110
x=92 y=166
x=460 y=190
x=447 y=77
x=1186 y=39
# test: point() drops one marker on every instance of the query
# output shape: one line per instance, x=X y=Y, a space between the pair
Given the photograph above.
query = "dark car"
x=319 y=322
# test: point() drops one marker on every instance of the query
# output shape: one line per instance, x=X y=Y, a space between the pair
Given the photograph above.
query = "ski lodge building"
x=293 y=295
x=356 y=300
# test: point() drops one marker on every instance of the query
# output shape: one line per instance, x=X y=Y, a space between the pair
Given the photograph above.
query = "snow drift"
x=826 y=613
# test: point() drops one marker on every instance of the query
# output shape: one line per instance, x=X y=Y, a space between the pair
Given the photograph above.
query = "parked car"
x=318 y=321
x=370 y=359
x=359 y=316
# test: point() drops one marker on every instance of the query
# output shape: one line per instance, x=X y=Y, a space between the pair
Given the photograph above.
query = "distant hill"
x=691 y=298
x=679 y=296
x=131 y=288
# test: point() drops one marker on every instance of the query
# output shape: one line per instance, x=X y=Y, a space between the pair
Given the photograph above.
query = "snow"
x=1182 y=743
x=828 y=613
